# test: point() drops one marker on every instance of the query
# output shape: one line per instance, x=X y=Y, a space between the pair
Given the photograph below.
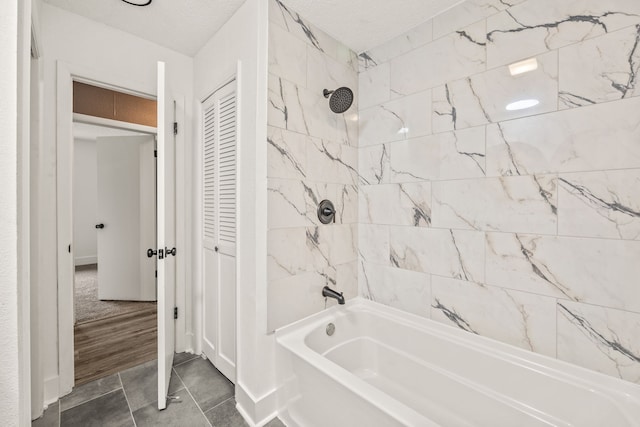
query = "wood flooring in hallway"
x=106 y=346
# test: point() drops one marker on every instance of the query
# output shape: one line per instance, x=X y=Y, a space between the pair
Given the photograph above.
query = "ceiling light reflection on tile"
x=522 y=104
x=522 y=67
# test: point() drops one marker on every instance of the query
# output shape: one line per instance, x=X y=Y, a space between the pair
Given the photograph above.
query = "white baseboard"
x=85 y=260
x=256 y=411
x=51 y=390
x=189 y=343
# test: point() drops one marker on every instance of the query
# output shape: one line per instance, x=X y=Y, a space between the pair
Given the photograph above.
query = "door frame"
x=66 y=75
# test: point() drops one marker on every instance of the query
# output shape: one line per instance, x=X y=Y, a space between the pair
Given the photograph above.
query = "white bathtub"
x=384 y=367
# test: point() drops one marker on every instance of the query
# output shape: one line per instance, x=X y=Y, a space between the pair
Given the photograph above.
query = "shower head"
x=340 y=99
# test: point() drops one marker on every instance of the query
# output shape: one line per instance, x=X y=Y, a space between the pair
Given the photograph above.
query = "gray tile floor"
x=128 y=398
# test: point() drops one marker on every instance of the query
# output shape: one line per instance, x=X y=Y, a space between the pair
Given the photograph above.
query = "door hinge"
x=156 y=274
x=69 y=248
x=175 y=128
x=175 y=312
x=155 y=153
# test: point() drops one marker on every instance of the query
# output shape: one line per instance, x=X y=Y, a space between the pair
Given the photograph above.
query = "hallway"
x=106 y=346
x=128 y=398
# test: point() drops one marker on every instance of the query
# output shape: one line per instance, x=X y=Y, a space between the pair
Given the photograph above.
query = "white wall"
x=243 y=38
x=15 y=23
x=129 y=61
x=85 y=201
x=9 y=379
x=36 y=114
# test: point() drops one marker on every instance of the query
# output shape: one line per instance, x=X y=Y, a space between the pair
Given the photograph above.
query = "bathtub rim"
x=293 y=338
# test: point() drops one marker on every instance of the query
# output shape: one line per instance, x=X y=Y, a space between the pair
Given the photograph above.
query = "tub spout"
x=328 y=292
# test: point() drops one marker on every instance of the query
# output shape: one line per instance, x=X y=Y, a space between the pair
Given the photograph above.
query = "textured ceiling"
x=363 y=24
x=181 y=25
x=186 y=25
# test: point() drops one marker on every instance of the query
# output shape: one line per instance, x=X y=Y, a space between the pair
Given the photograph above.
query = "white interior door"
x=219 y=232
x=166 y=235
x=126 y=212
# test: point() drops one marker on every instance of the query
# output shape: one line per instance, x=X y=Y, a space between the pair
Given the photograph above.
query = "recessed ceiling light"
x=523 y=66
x=138 y=2
x=522 y=104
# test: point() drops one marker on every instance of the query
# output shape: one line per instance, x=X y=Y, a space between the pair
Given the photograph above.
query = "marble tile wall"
x=520 y=225
x=312 y=155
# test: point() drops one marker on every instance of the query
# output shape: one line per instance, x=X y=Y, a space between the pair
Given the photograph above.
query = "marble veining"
x=602 y=69
x=527 y=204
x=600 y=338
x=612 y=344
x=374 y=86
x=448 y=253
x=595 y=20
x=285 y=52
x=600 y=204
x=396 y=204
x=332 y=162
x=395 y=120
x=420 y=210
x=454 y=317
x=292 y=18
x=418 y=36
x=540 y=269
x=416 y=71
x=287 y=252
x=534 y=27
x=373 y=164
x=365 y=61
x=286 y=154
x=312 y=155
x=408 y=290
x=301 y=28
x=594 y=271
x=518 y=318
x=467 y=13
x=373 y=243
x=482 y=98
x=578 y=139
x=448 y=155
x=451 y=204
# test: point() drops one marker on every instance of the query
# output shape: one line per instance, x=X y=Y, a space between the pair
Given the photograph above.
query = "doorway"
x=170 y=114
x=114 y=211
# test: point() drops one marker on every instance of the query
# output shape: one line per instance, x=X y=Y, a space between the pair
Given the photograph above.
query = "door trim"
x=66 y=74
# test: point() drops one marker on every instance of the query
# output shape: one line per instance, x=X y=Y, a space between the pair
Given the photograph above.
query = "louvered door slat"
x=219 y=166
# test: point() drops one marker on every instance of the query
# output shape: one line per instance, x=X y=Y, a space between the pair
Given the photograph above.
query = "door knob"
x=100 y=226
x=151 y=252
x=168 y=251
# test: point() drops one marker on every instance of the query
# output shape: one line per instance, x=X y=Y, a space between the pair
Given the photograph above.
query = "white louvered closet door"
x=219 y=228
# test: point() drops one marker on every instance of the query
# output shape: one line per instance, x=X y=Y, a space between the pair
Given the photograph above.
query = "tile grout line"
x=190 y=395
x=195 y=356
x=227 y=399
x=127 y=400
x=93 y=398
